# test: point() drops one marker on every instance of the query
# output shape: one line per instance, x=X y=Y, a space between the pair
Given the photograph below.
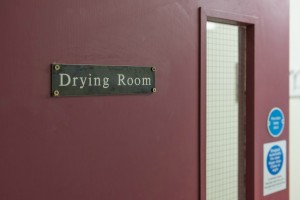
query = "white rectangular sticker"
x=274 y=167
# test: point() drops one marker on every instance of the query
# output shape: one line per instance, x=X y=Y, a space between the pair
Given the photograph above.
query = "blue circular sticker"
x=276 y=122
x=275 y=160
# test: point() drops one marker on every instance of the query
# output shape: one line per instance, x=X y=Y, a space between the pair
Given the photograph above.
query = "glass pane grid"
x=222 y=157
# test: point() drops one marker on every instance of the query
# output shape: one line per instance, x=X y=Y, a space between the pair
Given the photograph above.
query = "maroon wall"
x=118 y=147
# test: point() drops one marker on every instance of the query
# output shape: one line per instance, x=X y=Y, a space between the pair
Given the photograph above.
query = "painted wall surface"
x=119 y=147
x=128 y=147
x=294 y=100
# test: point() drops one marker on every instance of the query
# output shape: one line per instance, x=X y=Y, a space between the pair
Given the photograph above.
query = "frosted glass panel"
x=225 y=141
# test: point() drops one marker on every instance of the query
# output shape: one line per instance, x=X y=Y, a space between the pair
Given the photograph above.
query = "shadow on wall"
x=295 y=83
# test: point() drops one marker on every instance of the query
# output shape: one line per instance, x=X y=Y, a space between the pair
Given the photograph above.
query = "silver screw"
x=57 y=67
x=56 y=93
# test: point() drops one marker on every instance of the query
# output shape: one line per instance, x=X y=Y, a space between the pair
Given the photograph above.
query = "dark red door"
x=123 y=147
x=263 y=47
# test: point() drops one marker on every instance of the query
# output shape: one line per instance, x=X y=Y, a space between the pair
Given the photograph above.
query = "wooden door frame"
x=250 y=22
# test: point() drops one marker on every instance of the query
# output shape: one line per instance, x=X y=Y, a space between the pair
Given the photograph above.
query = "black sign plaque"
x=90 y=80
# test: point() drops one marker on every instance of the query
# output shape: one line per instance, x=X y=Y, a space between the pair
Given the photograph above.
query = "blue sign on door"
x=275 y=160
x=276 y=122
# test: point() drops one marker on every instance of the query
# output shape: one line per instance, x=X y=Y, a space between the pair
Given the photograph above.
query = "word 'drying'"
x=82 y=80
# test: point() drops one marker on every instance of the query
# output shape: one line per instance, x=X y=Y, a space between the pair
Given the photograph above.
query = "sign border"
x=129 y=90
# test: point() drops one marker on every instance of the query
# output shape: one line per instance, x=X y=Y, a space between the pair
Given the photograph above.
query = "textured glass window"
x=225 y=161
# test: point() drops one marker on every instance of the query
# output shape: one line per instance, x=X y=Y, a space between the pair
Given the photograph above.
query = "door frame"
x=250 y=22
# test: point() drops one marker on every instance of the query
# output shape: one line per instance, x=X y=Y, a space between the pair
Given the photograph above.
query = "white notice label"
x=274 y=167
